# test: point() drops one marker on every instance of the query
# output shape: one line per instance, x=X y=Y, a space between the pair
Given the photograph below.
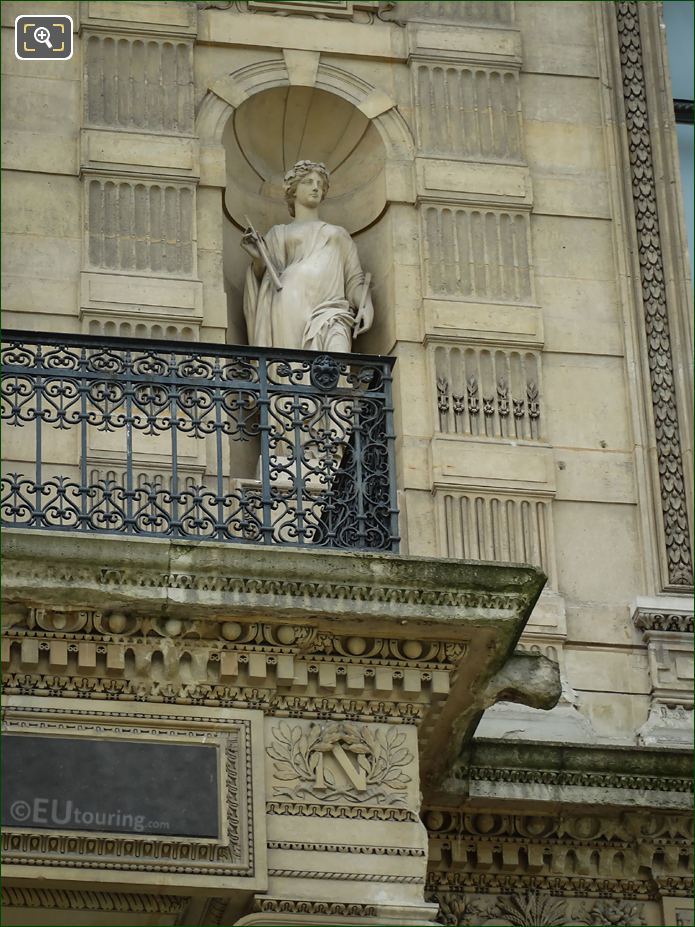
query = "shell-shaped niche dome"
x=275 y=128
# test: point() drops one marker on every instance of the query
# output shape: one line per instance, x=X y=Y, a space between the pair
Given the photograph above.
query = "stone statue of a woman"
x=316 y=298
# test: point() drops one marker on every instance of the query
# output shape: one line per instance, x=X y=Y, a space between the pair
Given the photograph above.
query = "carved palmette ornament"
x=442 y=394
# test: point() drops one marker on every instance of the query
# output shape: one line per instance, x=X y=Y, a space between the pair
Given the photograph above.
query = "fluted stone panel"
x=140 y=227
x=488 y=392
x=481 y=526
x=477 y=254
x=138 y=83
x=468 y=112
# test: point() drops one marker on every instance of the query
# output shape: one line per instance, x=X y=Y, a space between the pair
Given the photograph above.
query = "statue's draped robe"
x=321 y=278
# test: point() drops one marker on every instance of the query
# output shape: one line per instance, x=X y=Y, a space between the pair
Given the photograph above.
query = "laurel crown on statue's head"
x=296 y=173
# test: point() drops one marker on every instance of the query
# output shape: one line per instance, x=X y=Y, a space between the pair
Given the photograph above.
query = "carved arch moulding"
x=305 y=69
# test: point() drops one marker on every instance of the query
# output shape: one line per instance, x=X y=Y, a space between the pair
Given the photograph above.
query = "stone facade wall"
x=504 y=171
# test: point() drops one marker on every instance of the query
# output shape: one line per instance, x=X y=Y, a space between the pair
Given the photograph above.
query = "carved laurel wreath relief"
x=340 y=761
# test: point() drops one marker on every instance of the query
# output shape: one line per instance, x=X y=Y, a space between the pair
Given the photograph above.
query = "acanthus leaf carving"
x=609 y=912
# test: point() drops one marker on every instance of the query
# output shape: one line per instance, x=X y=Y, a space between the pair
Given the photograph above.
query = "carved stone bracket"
x=668 y=634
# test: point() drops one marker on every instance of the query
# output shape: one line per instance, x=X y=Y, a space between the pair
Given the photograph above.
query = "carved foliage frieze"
x=522 y=909
x=656 y=321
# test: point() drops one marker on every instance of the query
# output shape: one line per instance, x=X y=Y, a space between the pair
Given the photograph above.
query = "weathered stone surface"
x=514 y=191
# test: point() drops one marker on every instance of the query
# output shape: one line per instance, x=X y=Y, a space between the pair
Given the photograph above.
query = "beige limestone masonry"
x=492 y=196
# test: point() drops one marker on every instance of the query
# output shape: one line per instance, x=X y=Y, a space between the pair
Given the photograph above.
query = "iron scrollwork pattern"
x=321 y=426
x=665 y=411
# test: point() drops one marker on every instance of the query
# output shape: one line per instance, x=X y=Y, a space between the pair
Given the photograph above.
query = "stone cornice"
x=305 y=633
x=226 y=579
x=576 y=774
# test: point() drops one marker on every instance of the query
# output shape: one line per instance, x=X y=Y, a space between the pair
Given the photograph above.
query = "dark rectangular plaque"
x=115 y=786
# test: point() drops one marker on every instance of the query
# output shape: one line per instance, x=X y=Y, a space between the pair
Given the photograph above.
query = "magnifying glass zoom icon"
x=42 y=35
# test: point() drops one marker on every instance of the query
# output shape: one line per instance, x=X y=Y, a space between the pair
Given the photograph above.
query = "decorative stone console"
x=359 y=677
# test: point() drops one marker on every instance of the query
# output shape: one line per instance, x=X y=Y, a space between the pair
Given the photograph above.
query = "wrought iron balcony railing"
x=198 y=442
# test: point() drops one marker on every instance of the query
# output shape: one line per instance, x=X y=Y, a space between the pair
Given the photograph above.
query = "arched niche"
x=274 y=129
x=266 y=135
x=266 y=115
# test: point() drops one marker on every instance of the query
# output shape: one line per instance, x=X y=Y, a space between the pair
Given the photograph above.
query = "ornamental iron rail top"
x=198 y=441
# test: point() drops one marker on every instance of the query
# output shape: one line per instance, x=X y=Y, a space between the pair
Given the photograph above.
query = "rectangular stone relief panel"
x=344 y=763
x=488 y=392
x=504 y=528
x=483 y=12
x=139 y=83
x=477 y=254
x=342 y=9
x=138 y=829
x=140 y=226
x=468 y=112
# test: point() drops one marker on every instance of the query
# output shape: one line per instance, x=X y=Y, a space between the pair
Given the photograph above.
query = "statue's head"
x=313 y=178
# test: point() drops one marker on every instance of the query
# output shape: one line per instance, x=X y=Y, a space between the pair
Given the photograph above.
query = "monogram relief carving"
x=340 y=761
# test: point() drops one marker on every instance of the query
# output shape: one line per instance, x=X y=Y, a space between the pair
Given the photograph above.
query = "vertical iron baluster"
x=37 y=513
x=359 y=475
x=174 y=524
x=298 y=461
x=129 y=492
x=84 y=488
x=390 y=436
x=217 y=399
x=264 y=429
